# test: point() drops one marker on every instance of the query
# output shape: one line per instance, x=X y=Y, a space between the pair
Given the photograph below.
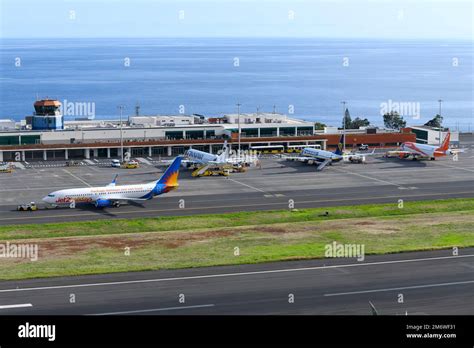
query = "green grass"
x=179 y=242
x=177 y=223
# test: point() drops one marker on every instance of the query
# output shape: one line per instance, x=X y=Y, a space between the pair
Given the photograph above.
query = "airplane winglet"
x=113 y=181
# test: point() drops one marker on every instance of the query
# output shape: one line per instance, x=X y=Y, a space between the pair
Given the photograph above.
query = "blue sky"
x=426 y=19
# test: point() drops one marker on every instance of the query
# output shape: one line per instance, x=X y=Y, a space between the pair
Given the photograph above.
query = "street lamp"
x=238 y=121
x=344 y=125
x=121 y=107
x=439 y=101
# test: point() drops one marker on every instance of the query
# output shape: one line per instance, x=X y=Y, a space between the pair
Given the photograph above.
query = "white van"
x=115 y=163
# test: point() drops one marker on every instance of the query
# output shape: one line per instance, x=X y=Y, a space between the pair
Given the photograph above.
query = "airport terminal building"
x=171 y=135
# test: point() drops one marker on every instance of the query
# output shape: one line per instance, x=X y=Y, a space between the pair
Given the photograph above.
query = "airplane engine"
x=103 y=203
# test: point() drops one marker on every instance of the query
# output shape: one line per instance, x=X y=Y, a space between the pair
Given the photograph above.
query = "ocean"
x=305 y=78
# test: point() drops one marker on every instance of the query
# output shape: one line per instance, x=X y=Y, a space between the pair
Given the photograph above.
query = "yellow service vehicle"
x=27 y=207
x=239 y=169
x=207 y=171
x=130 y=165
x=6 y=169
x=215 y=172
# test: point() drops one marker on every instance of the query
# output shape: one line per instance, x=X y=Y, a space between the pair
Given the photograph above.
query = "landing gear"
x=432 y=158
x=116 y=204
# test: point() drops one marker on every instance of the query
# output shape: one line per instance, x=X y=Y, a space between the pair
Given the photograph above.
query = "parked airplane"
x=199 y=158
x=423 y=151
x=323 y=157
x=113 y=195
x=196 y=157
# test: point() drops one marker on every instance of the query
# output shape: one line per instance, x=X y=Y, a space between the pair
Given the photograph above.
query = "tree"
x=347 y=119
x=356 y=124
x=393 y=120
x=319 y=126
x=359 y=122
x=435 y=122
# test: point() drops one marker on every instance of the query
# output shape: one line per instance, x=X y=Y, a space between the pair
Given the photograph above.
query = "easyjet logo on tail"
x=445 y=145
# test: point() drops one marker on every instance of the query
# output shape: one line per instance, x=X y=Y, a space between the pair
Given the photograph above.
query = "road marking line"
x=454 y=167
x=400 y=288
x=144 y=160
x=237 y=206
x=154 y=310
x=18 y=165
x=369 y=177
x=75 y=176
x=467 y=265
x=94 y=169
x=22 y=305
x=222 y=275
x=241 y=183
x=35 y=189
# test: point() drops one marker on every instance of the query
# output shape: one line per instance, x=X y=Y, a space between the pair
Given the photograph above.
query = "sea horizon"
x=305 y=78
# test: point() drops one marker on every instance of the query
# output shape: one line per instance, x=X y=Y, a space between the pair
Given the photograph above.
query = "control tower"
x=47 y=115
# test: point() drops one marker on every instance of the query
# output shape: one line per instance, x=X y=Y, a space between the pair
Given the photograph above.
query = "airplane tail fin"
x=445 y=145
x=340 y=146
x=170 y=176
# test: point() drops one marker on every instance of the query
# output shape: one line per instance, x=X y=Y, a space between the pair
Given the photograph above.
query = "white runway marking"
x=241 y=183
x=18 y=165
x=144 y=160
x=238 y=274
x=22 y=305
x=454 y=167
x=155 y=310
x=400 y=288
x=35 y=188
x=75 y=176
x=371 y=178
x=94 y=169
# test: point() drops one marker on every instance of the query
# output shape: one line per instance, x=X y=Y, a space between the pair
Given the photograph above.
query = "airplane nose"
x=45 y=199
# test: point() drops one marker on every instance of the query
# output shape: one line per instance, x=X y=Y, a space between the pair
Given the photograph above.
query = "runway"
x=275 y=186
x=419 y=283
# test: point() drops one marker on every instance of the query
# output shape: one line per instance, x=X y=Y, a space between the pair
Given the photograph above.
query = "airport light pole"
x=238 y=121
x=439 y=101
x=344 y=125
x=121 y=107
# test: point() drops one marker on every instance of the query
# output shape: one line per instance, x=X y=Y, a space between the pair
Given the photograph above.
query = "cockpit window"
x=50 y=195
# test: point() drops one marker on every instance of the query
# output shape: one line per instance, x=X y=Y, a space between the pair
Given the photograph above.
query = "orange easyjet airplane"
x=417 y=151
